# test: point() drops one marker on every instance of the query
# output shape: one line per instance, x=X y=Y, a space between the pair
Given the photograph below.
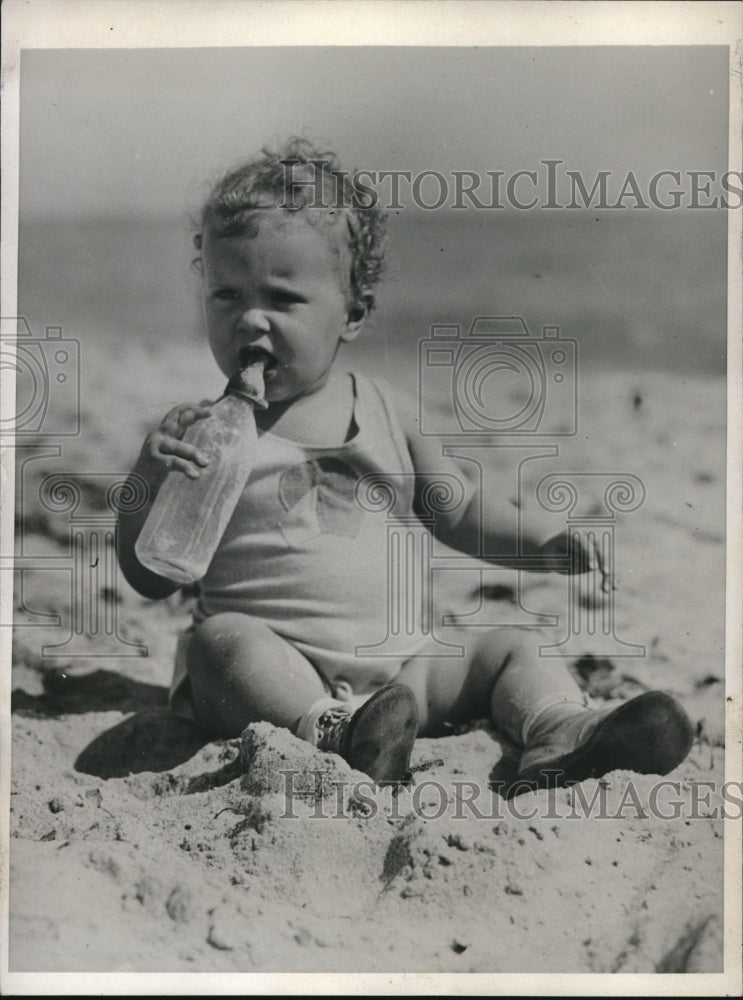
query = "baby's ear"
x=356 y=314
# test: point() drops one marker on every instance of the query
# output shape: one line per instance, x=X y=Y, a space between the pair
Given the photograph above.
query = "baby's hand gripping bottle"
x=189 y=516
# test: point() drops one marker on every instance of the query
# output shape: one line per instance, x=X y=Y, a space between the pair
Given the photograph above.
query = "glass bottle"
x=189 y=516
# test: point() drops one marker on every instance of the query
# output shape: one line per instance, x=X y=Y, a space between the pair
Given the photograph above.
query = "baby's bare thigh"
x=241 y=672
x=451 y=690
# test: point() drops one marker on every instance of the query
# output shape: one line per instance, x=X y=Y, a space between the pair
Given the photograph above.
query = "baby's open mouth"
x=252 y=355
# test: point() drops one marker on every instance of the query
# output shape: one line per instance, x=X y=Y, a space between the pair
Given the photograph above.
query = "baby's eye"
x=282 y=304
x=285 y=300
x=225 y=294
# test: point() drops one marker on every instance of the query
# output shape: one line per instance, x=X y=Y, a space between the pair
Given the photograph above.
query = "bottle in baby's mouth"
x=249 y=382
x=189 y=516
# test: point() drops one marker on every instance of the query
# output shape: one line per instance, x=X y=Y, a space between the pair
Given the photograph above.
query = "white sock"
x=548 y=716
x=306 y=726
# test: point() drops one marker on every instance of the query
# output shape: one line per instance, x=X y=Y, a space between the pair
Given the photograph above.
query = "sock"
x=547 y=718
x=306 y=726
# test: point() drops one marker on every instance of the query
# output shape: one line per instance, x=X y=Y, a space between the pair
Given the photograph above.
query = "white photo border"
x=116 y=24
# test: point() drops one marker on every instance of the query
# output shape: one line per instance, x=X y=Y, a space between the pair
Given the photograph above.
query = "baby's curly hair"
x=291 y=178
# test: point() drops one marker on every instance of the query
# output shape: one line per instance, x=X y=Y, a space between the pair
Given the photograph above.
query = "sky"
x=105 y=132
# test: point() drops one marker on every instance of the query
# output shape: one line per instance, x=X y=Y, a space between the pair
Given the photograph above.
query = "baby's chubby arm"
x=163 y=450
x=489 y=521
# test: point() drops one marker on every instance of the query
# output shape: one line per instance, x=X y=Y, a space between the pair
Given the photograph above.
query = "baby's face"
x=278 y=291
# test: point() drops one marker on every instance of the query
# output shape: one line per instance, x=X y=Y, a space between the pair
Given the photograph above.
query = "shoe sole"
x=650 y=734
x=382 y=733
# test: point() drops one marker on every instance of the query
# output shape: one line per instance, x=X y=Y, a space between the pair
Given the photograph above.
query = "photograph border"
x=75 y=24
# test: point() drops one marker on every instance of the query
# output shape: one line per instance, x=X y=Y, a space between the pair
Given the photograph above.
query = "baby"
x=292 y=604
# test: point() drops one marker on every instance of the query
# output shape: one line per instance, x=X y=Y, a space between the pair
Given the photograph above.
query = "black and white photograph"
x=371 y=492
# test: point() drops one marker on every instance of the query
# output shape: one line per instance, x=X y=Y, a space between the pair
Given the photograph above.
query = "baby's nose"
x=255 y=321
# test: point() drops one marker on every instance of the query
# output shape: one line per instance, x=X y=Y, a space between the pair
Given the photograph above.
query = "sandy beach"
x=138 y=846
x=608 y=140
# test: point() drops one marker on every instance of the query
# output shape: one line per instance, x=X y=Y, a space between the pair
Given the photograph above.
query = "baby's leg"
x=242 y=672
x=536 y=702
x=500 y=676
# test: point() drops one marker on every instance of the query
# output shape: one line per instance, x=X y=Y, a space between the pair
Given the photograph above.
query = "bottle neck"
x=238 y=393
x=234 y=388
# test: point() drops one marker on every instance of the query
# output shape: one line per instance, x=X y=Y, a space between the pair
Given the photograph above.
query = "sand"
x=136 y=845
